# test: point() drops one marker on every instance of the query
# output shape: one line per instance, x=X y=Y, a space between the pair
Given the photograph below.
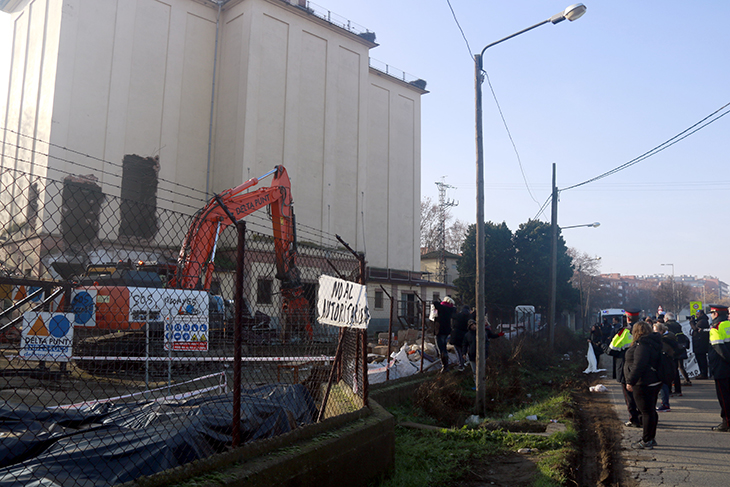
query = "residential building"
x=431 y=265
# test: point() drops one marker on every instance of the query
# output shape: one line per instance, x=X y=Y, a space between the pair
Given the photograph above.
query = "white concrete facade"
x=108 y=78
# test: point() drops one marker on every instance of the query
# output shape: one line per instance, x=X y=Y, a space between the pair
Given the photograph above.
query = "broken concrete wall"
x=139 y=196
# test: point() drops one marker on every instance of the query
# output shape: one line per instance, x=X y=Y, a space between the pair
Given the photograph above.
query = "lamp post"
x=674 y=306
x=571 y=13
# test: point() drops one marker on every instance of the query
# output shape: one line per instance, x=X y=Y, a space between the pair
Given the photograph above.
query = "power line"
x=499 y=108
x=665 y=145
x=460 y=29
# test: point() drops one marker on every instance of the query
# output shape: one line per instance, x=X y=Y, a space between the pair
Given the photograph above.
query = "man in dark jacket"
x=701 y=341
x=670 y=346
x=445 y=311
x=458 y=330
x=470 y=344
x=674 y=327
x=719 y=358
x=617 y=349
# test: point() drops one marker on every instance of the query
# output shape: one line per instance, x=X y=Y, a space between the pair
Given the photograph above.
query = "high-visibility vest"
x=621 y=340
x=721 y=334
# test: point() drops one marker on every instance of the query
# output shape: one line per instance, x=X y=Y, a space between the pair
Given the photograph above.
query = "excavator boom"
x=195 y=262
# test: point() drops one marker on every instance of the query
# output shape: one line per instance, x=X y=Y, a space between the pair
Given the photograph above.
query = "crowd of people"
x=459 y=328
x=637 y=346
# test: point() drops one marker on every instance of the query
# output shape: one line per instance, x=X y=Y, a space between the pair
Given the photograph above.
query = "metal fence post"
x=237 y=333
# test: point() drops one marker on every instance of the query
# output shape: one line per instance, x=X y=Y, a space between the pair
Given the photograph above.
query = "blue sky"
x=588 y=96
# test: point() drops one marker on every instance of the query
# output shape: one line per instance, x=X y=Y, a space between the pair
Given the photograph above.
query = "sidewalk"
x=689 y=452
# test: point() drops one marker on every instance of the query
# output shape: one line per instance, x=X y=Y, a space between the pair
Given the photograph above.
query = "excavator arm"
x=195 y=261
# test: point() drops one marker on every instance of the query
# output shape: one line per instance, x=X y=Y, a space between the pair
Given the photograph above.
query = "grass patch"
x=523 y=381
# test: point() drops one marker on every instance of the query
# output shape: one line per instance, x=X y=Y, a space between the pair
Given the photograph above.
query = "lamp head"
x=574 y=12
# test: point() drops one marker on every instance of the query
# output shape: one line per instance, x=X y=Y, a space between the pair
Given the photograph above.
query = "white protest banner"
x=342 y=303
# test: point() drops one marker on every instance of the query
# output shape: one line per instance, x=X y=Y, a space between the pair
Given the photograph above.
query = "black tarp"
x=114 y=443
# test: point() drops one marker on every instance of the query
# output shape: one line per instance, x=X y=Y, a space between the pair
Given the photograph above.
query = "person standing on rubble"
x=445 y=311
x=470 y=343
x=461 y=326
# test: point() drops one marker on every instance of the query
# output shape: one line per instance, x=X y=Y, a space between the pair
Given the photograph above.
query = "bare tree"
x=673 y=296
x=429 y=224
x=585 y=271
x=455 y=236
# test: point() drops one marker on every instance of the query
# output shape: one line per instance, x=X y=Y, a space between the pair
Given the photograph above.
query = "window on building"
x=264 y=291
x=437 y=297
x=378 y=299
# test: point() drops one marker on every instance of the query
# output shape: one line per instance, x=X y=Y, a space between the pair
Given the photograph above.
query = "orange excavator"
x=130 y=297
x=195 y=262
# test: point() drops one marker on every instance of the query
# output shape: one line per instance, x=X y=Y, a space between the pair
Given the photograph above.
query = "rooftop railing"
x=357 y=29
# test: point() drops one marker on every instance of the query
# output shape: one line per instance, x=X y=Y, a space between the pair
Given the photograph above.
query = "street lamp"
x=674 y=306
x=594 y=225
x=571 y=13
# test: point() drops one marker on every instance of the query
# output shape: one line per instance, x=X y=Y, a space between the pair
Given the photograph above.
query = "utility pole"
x=443 y=205
x=553 y=260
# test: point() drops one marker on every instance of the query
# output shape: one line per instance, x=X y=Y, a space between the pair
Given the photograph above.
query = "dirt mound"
x=509 y=470
x=443 y=400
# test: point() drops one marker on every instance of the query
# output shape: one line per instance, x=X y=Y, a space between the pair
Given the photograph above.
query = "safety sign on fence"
x=342 y=303
x=47 y=336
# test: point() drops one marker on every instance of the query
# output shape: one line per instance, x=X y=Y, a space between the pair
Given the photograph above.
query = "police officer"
x=617 y=349
x=719 y=358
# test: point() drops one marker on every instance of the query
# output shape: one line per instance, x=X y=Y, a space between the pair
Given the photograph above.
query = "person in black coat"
x=640 y=366
x=701 y=341
x=445 y=311
x=470 y=344
x=671 y=347
x=596 y=339
x=458 y=330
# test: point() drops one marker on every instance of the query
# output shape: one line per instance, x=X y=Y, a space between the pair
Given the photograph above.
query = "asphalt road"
x=689 y=453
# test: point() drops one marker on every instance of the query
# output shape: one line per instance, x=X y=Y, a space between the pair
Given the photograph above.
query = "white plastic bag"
x=434 y=313
x=592 y=361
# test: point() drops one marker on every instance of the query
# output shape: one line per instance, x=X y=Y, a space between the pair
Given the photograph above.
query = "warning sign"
x=21 y=292
x=47 y=336
x=186 y=333
x=83 y=306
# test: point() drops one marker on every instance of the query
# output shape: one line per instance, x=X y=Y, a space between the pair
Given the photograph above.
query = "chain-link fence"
x=113 y=367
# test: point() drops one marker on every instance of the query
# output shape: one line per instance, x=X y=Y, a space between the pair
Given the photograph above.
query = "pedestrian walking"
x=719 y=358
x=640 y=369
x=617 y=349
